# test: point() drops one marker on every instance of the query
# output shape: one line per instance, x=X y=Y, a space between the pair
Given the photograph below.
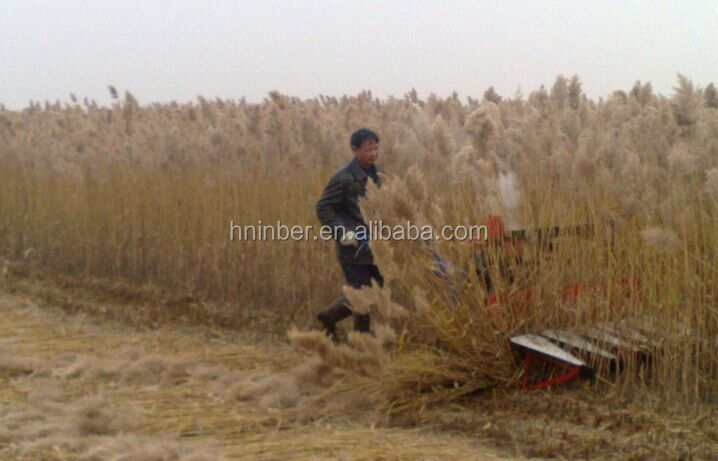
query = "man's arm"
x=330 y=201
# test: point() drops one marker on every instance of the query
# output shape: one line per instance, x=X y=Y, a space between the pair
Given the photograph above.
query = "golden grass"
x=143 y=196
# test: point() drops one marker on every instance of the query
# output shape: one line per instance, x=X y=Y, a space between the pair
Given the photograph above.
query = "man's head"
x=365 y=144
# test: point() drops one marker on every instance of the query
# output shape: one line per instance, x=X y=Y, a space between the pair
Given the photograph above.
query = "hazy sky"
x=163 y=50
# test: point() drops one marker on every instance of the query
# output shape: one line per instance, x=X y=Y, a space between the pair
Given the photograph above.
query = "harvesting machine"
x=553 y=356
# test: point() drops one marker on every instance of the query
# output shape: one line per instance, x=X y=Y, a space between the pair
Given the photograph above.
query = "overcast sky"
x=164 y=50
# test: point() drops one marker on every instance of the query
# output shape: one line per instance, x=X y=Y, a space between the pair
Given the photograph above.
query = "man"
x=338 y=208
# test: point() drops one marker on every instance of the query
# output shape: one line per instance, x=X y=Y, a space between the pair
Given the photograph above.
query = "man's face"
x=367 y=153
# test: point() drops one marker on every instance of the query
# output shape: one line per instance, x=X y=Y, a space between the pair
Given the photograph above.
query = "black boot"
x=361 y=323
x=330 y=328
x=329 y=316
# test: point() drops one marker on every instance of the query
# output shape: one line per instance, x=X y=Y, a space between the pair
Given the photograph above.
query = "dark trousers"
x=357 y=276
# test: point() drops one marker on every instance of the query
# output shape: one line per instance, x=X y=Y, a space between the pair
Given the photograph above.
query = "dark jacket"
x=339 y=206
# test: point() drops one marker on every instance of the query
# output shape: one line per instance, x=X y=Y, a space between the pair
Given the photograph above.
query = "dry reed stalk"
x=144 y=195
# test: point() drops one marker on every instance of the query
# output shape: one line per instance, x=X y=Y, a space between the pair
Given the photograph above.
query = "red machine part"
x=522 y=299
x=572 y=371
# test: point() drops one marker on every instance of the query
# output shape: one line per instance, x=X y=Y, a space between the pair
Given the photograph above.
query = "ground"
x=95 y=372
x=84 y=386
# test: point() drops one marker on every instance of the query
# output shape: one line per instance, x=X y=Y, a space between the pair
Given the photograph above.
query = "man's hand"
x=349 y=239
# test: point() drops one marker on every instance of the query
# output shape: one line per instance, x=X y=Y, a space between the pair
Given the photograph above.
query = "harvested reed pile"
x=220 y=396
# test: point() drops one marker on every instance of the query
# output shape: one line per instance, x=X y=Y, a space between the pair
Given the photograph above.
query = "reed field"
x=131 y=204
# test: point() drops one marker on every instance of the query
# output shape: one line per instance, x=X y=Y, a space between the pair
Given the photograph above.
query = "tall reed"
x=145 y=195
